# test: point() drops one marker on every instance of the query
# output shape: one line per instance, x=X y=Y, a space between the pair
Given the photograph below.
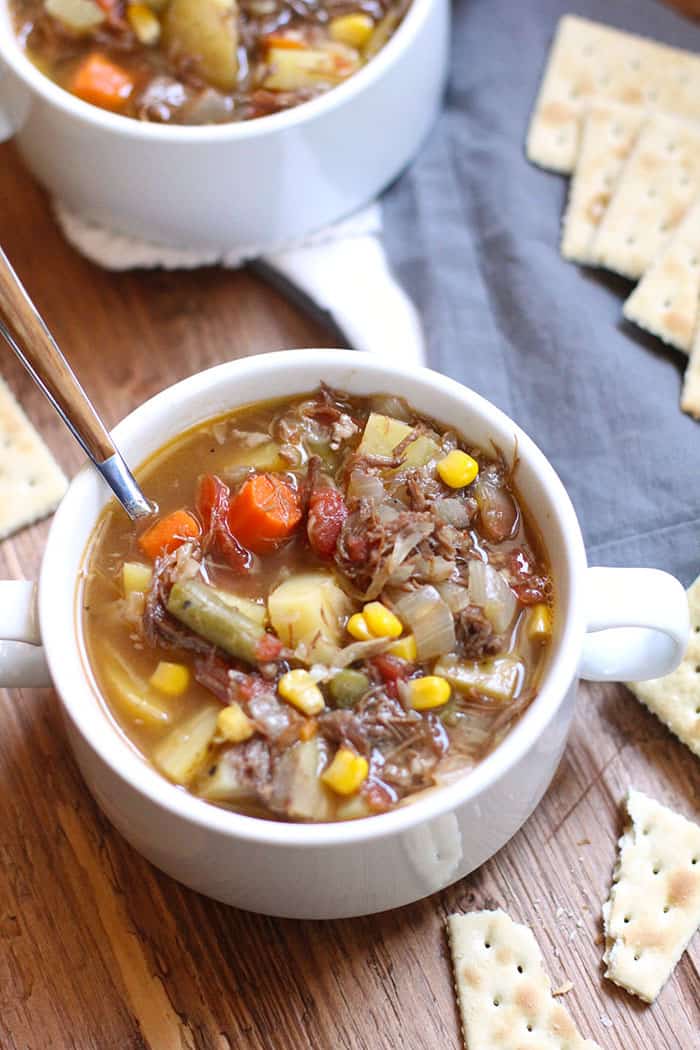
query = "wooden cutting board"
x=99 y=951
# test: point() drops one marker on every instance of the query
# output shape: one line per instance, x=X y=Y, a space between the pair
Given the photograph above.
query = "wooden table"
x=98 y=950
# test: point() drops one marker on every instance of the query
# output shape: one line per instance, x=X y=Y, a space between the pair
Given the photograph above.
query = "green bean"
x=348 y=686
x=200 y=608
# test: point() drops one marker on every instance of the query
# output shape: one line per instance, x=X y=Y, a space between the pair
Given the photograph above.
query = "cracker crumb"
x=563 y=989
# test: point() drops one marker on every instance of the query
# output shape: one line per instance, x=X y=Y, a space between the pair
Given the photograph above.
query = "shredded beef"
x=251 y=765
x=160 y=628
x=404 y=746
x=214 y=674
x=475 y=635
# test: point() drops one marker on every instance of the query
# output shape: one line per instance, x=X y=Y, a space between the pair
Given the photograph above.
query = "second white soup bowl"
x=253 y=185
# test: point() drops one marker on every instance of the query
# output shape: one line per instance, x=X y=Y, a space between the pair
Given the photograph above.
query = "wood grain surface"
x=37 y=348
x=100 y=951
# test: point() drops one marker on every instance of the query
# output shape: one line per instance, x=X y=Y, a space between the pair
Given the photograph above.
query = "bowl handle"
x=22 y=659
x=14 y=105
x=638 y=625
x=350 y=279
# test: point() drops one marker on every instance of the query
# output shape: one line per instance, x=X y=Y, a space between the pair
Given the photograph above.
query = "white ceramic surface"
x=262 y=182
x=384 y=861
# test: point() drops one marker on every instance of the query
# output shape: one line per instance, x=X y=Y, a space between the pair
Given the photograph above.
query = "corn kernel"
x=346 y=773
x=171 y=679
x=298 y=688
x=234 y=725
x=427 y=692
x=381 y=621
x=404 y=648
x=539 y=627
x=357 y=627
x=457 y=469
x=144 y=23
x=136 y=577
x=354 y=30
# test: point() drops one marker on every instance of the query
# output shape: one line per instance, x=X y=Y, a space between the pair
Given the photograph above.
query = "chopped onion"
x=360 y=651
x=387 y=513
x=209 y=107
x=365 y=486
x=453 y=511
x=437 y=569
x=406 y=541
x=404 y=544
x=489 y=590
x=219 y=432
x=270 y=716
x=455 y=594
x=390 y=406
x=497 y=509
x=401 y=575
x=430 y=619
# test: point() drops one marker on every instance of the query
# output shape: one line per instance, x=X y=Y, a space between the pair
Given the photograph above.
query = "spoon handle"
x=24 y=329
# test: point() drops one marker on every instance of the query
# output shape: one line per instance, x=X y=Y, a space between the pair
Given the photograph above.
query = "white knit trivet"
x=343 y=269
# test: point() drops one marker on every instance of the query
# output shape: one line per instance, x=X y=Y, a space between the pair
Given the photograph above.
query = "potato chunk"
x=183 y=750
x=253 y=610
x=497 y=678
x=207 y=31
x=82 y=16
x=309 y=608
x=382 y=434
x=291 y=70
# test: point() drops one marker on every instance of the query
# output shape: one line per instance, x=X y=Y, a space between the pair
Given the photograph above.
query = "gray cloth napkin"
x=473 y=232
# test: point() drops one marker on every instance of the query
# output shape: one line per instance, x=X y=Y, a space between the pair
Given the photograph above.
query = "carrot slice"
x=284 y=43
x=264 y=512
x=102 y=82
x=169 y=533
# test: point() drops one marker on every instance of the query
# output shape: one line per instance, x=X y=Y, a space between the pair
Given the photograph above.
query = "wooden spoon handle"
x=36 y=348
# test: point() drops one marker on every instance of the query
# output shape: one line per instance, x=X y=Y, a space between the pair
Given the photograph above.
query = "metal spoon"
x=24 y=329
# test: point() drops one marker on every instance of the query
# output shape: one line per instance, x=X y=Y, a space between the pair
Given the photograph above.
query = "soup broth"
x=202 y=61
x=339 y=604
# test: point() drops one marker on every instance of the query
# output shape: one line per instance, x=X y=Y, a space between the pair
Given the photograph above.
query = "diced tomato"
x=391 y=670
x=268 y=648
x=251 y=685
x=212 y=501
x=327 y=513
x=213 y=507
x=529 y=587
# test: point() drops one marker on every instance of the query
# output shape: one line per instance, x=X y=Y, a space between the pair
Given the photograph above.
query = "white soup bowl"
x=609 y=624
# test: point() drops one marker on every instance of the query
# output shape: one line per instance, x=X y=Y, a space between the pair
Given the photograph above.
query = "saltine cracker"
x=31 y=482
x=654 y=191
x=504 y=994
x=609 y=133
x=589 y=60
x=665 y=302
x=654 y=904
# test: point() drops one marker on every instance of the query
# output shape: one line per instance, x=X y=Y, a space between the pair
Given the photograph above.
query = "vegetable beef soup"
x=338 y=605
x=202 y=61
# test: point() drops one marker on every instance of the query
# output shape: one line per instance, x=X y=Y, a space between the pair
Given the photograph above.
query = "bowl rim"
x=306 y=112
x=436 y=802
